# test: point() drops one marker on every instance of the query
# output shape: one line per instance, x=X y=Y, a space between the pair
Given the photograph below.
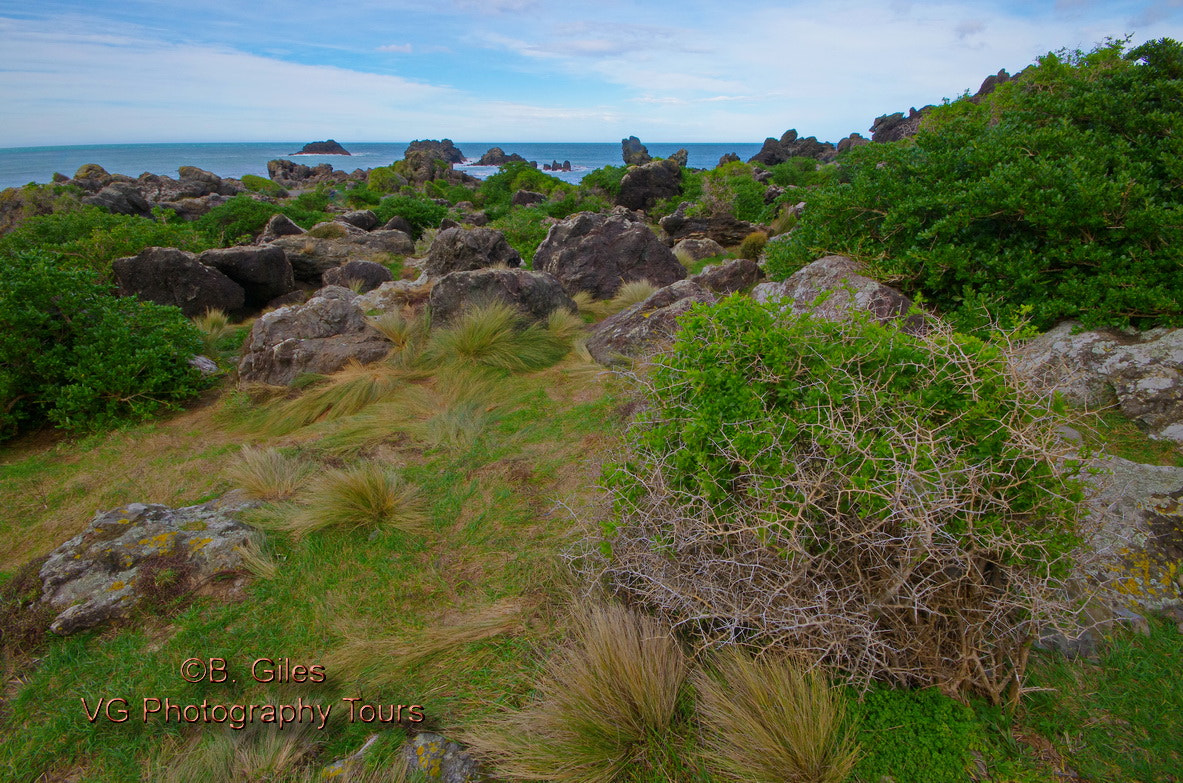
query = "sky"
x=142 y=71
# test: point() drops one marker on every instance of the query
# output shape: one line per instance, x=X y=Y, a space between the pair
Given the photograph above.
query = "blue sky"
x=132 y=71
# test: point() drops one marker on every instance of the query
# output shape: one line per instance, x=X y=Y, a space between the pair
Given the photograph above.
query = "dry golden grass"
x=269 y=474
x=364 y=495
x=214 y=324
x=768 y=721
x=604 y=703
x=177 y=461
x=627 y=295
x=345 y=393
x=495 y=335
x=253 y=754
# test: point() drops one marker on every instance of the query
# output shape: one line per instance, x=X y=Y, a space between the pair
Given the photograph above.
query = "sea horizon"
x=20 y=166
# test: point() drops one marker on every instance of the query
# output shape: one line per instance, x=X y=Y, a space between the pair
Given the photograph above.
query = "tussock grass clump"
x=768 y=721
x=626 y=296
x=407 y=332
x=214 y=324
x=345 y=393
x=494 y=335
x=269 y=474
x=605 y=704
x=234 y=756
x=366 y=495
x=753 y=245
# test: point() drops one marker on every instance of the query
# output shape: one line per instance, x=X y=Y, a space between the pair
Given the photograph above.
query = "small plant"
x=768 y=721
x=330 y=230
x=257 y=184
x=344 y=393
x=163 y=583
x=24 y=617
x=921 y=736
x=753 y=245
x=494 y=335
x=605 y=704
x=215 y=326
x=269 y=474
x=363 y=496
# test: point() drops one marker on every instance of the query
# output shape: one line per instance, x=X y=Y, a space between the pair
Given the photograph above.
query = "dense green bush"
x=915 y=736
x=606 y=179
x=1060 y=190
x=524 y=229
x=845 y=488
x=74 y=355
x=496 y=191
x=267 y=187
x=90 y=237
x=803 y=172
x=419 y=211
x=384 y=179
x=242 y=218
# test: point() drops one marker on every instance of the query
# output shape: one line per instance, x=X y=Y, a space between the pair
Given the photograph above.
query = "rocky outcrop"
x=729 y=157
x=679 y=158
x=554 y=165
x=443 y=150
x=724 y=229
x=107 y=570
x=852 y=141
x=121 y=198
x=634 y=152
x=729 y=277
x=263 y=272
x=597 y=253
x=460 y=249
x=524 y=198
x=365 y=219
x=279 y=225
x=173 y=277
x=366 y=275
x=329 y=147
x=1141 y=373
x=645 y=185
x=893 y=127
x=535 y=294
x=320 y=336
x=647 y=326
x=290 y=174
x=311 y=256
x=848 y=291
x=698 y=249
x=397 y=294
x=497 y=157
x=788 y=146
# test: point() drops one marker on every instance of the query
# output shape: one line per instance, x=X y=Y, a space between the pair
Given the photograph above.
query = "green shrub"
x=916 y=736
x=802 y=172
x=75 y=356
x=606 y=179
x=524 y=230
x=257 y=184
x=361 y=197
x=731 y=190
x=449 y=191
x=753 y=245
x=384 y=179
x=496 y=191
x=419 y=211
x=243 y=218
x=1059 y=191
x=845 y=488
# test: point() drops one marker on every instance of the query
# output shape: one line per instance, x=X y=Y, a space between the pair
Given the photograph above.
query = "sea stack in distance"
x=329 y=147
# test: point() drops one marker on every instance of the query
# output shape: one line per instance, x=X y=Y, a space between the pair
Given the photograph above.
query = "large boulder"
x=120 y=198
x=789 y=145
x=1140 y=372
x=845 y=290
x=280 y=225
x=263 y=272
x=535 y=294
x=634 y=152
x=728 y=277
x=442 y=150
x=723 y=228
x=524 y=198
x=698 y=249
x=464 y=249
x=598 y=253
x=173 y=277
x=643 y=186
x=366 y=274
x=312 y=256
x=647 y=326
x=396 y=295
x=104 y=572
x=365 y=219
x=319 y=336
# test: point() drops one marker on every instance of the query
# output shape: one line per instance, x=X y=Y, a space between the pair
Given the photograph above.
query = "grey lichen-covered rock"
x=366 y=274
x=320 y=336
x=311 y=257
x=365 y=219
x=834 y=286
x=173 y=277
x=464 y=249
x=535 y=294
x=92 y=577
x=441 y=759
x=647 y=326
x=263 y=272
x=1140 y=372
x=598 y=253
x=698 y=249
x=396 y=295
x=643 y=186
x=120 y=198
x=729 y=277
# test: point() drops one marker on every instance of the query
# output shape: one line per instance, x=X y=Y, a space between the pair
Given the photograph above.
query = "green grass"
x=1111 y=432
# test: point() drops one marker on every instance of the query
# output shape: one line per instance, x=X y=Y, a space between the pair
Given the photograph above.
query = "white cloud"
x=397 y=48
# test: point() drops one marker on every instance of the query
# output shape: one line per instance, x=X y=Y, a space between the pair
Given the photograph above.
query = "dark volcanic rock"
x=497 y=157
x=597 y=253
x=263 y=272
x=788 y=146
x=290 y=174
x=329 y=147
x=524 y=198
x=724 y=229
x=729 y=277
x=399 y=223
x=369 y=274
x=443 y=150
x=320 y=336
x=311 y=257
x=729 y=157
x=280 y=225
x=365 y=219
x=634 y=152
x=645 y=185
x=460 y=250
x=680 y=158
x=852 y=141
x=535 y=294
x=647 y=326
x=893 y=127
x=120 y=198
x=173 y=277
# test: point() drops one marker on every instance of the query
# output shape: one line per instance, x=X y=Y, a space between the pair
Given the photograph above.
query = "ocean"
x=22 y=165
